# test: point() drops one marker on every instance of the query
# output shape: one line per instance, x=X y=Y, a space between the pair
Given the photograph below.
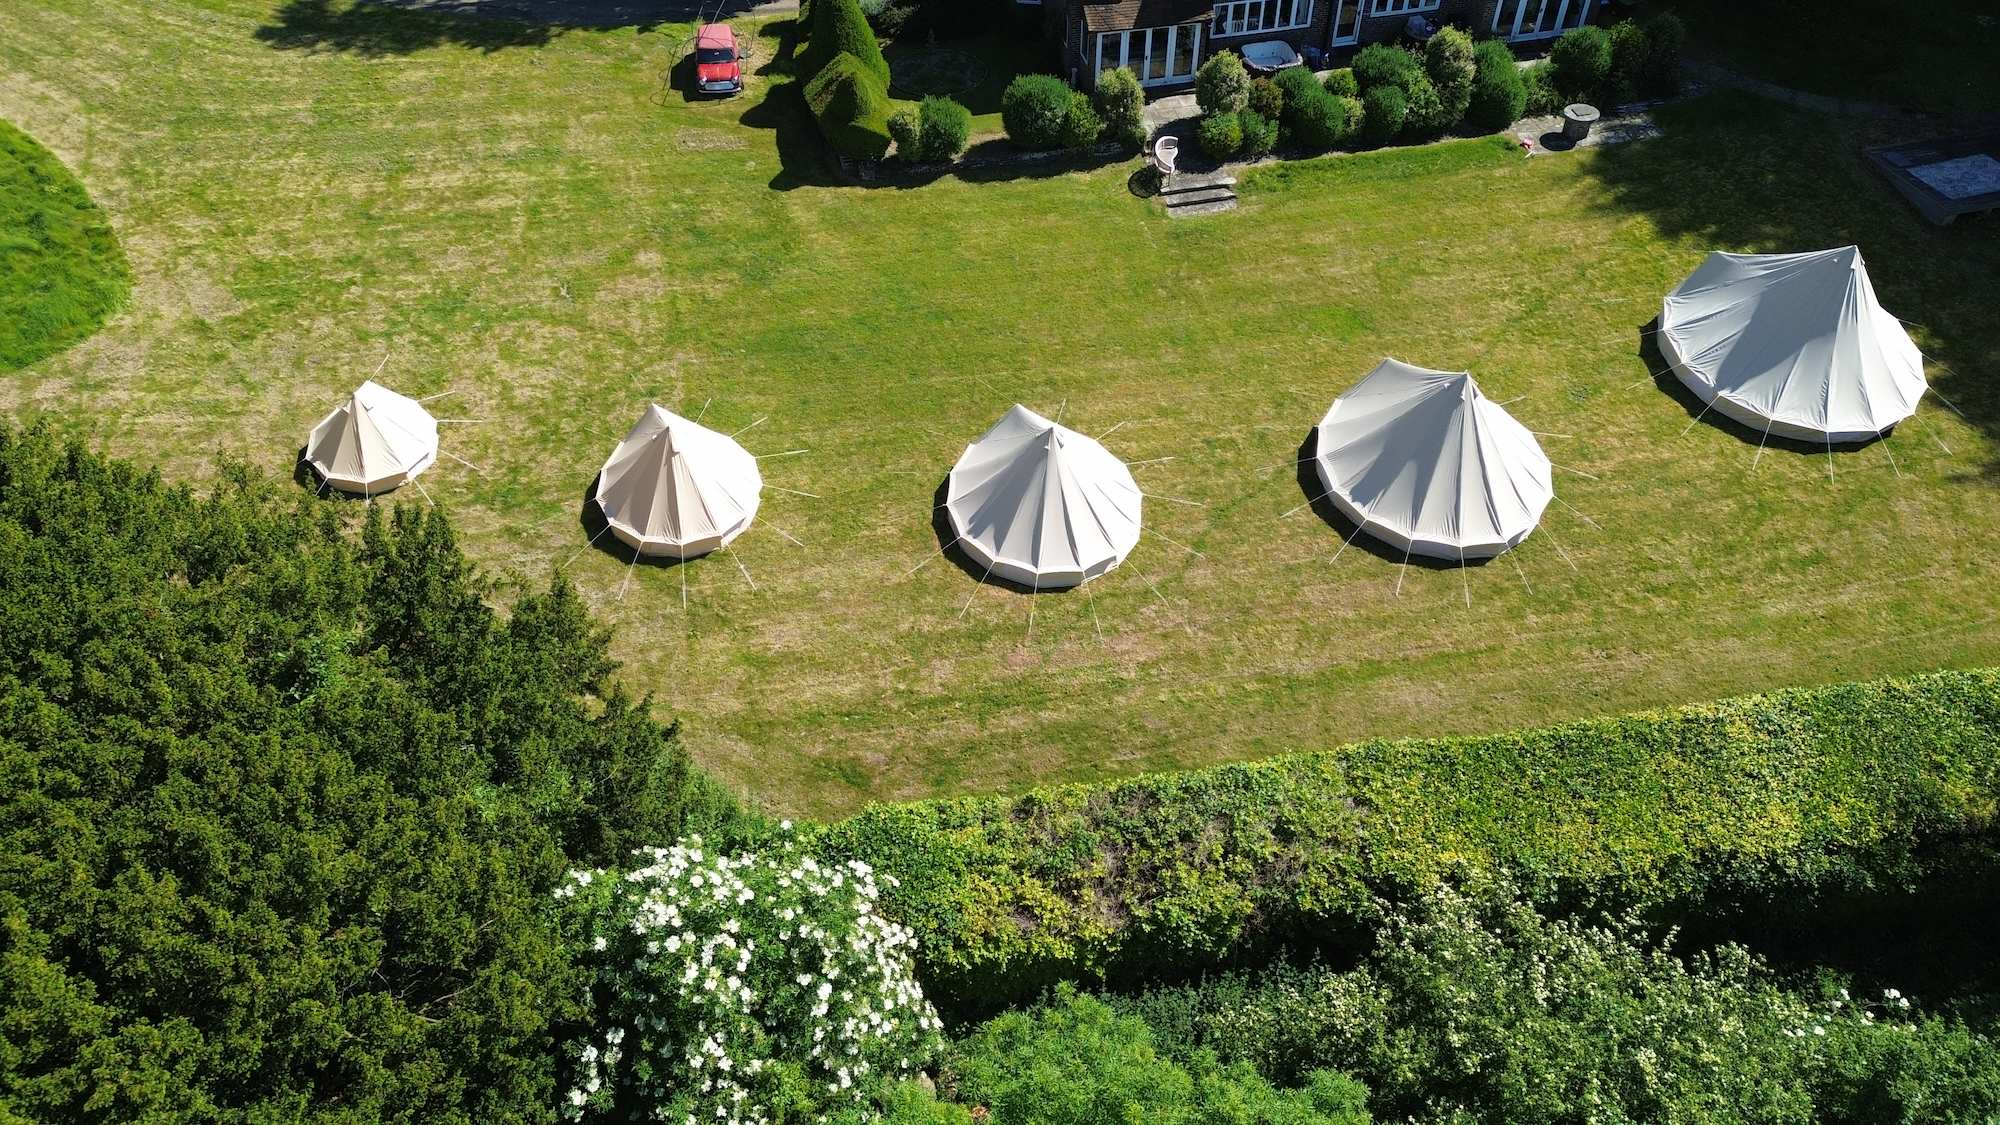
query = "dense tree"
x=280 y=813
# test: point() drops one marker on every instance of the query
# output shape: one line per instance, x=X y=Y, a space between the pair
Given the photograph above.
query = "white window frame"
x=1403 y=7
x=1137 y=62
x=1238 y=14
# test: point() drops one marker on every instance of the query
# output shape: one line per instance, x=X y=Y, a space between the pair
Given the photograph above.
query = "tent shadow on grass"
x=1690 y=403
x=1314 y=491
x=958 y=556
x=597 y=533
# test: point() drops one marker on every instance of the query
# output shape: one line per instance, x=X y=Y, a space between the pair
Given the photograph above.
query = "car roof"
x=715 y=35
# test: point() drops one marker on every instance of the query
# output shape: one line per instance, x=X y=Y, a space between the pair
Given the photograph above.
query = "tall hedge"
x=851 y=108
x=281 y=811
x=840 y=27
x=1167 y=874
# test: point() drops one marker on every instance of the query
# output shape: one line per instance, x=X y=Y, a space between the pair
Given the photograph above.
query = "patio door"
x=1158 y=55
x=1538 y=19
x=1347 y=22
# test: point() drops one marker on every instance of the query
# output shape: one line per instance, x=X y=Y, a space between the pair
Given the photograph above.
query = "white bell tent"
x=1424 y=462
x=373 y=442
x=1793 y=345
x=1042 y=505
x=677 y=488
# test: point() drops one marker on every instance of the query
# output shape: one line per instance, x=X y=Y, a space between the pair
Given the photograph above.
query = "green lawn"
x=60 y=269
x=1942 y=56
x=535 y=223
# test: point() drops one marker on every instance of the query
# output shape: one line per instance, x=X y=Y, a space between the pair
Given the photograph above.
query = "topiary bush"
x=1220 y=136
x=1075 y=1061
x=1665 y=37
x=1260 y=134
x=1628 y=63
x=767 y=976
x=1121 y=102
x=1449 y=64
x=1379 y=64
x=851 y=108
x=1499 y=96
x=1580 y=62
x=1341 y=83
x=1319 y=121
x=1266 y=99
x=840 y=27
x=1221 y=85
x=1382 y=111
x=1034 y=109
x=1425 y=116
x=1081 y=125
x=934 y=132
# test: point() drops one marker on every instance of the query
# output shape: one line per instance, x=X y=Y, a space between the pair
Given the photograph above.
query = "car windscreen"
x=714 y=55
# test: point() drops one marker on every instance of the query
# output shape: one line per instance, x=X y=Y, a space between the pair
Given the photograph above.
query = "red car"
x=718 y=65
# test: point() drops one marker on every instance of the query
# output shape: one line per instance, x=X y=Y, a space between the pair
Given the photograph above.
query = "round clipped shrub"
x=1034 y=109
x=765 y=978
x=1382 y=111
x=1121 y=102
x=1580 y=62
x=1665 y=36
x=1294 y=84
x=932 y=133
x=1379 y=64
x=1081 y=125
x=1498 y=95
x=1425 y=115
x=1260 y=133
x=1266 y=100
x=1449 y=64
x=1220 y=136
x=906 y=131
x=1222 y=85
x=1319 y=121
x=1341 y=84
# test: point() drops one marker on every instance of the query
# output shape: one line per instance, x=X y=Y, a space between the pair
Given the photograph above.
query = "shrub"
x=1221 y=85
x=1628 y=63
x=767 y=976
x=1266 y=100
x=1260 y=133
x=1425 y=114
x=1294 y=84
x=1538 y=82
x=1121 y=101
x=1320 y=121
x=1341 y=83
x=1379 y=64
x=282 y=810
x=1382 y=111
x=1081 y=125
x=932 y=133
x=1665 y=36
x=1034 y=109
x=851 y=108
x=1077 y=1062
x=1220 y=136
x=840 y=27
x=1449 y=64
x=1499 y=97
x=1580 y=62
x=1853 y=782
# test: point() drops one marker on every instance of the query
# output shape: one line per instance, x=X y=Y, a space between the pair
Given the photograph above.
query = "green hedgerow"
x=1499 y=96
x=1266 y=99
x=1665 y=37
x=1121 y=102
x=1220 y=136
x=1260 y=133
x=1034 y=109
x=1425 y=114
x=1382 y=111
x=1221 y=85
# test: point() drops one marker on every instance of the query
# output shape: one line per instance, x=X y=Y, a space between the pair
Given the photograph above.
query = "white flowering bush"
x=745 y=989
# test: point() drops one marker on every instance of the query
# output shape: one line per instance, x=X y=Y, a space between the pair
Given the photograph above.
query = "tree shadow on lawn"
x=1734 y=172
x=1314 y=491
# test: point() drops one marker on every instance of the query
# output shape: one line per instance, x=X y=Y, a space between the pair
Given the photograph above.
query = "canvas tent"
x=1793 y=345
x=373 y=442
x=1424 y=462
x=1042 y=505
x=677 y=488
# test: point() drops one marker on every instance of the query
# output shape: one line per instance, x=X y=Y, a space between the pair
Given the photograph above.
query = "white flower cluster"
x=718 y=968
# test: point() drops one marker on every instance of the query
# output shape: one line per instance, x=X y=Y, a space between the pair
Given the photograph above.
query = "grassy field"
x=534 y=222
x=60 y=269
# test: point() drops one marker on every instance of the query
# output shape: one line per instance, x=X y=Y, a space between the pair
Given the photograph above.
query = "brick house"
x=1163 y=41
